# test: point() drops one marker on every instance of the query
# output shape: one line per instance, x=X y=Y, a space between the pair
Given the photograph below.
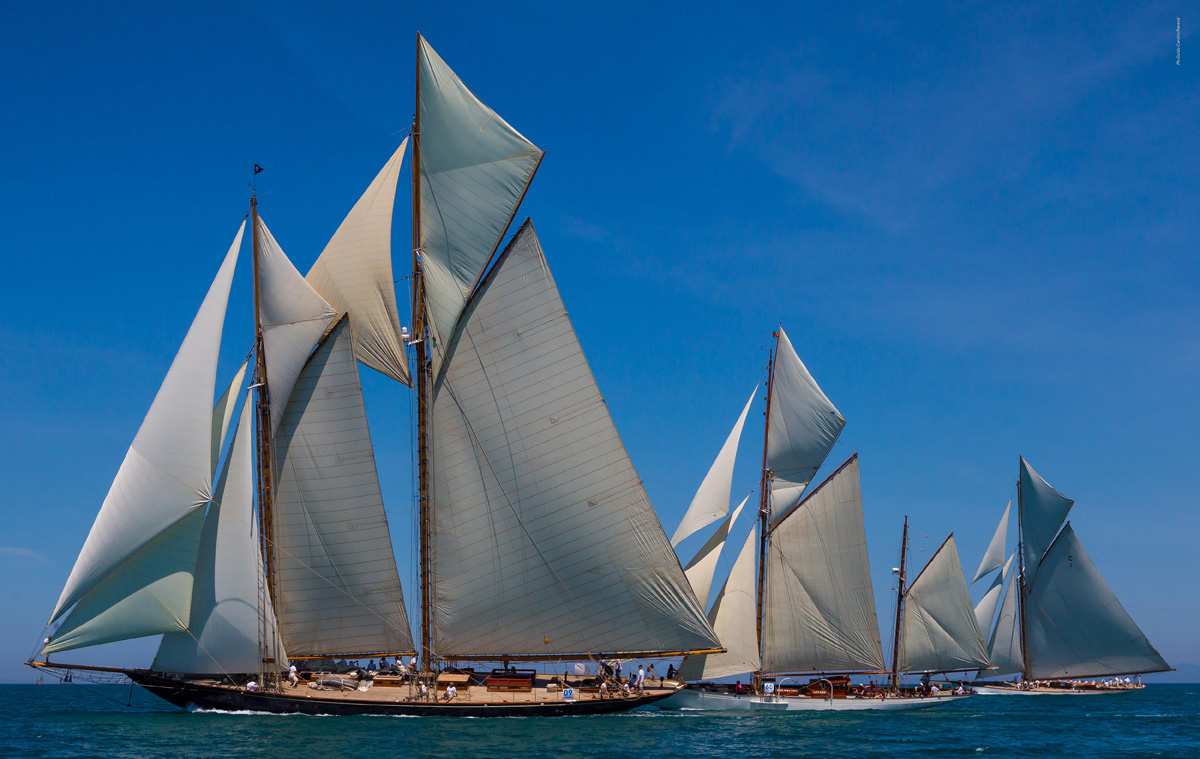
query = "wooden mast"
x=899 y=607
x=764 y=515
x=422 y=371
x=1021 y=578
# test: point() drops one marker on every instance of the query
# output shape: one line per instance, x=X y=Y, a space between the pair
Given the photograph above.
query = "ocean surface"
x=113 y=722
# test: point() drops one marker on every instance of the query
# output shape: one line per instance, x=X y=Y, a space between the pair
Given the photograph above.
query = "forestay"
x=985 y=610
x=700 y=569
x=711 y=501
x=339 y=592
x=1043 y=511
x=802 y=428
x=732 y=617
x=820 y=605
x=474 y=170
x=544 y=540
x=939 y=632
x=354 y=274
x=993 y=557
x=1004 y=648
x=1075 y=626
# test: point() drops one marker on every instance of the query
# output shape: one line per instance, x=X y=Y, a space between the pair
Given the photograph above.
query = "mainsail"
x=338 y=589
x=732 y=618
x=544 y=540
x=993 y=557
x=711 y=501
x=939 y=631
x=133 y=575
x=354 y=274
x=703 y=565
x=819 y=605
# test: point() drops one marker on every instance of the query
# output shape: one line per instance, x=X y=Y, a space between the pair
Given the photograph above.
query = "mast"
x=422 y=372
x=764 y=513
x=1021 y=577
x=899 y=606
x=265 y=456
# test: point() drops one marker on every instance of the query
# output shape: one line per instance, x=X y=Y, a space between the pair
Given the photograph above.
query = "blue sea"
x=75 y=720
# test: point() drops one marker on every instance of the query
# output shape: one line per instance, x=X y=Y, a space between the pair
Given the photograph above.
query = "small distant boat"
x=1061 y=627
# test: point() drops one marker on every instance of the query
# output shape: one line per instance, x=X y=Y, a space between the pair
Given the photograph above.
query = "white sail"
x=1004 y=648
x=544 y=540
x=474 y=170
x=938 y=628
x=803 y=426
x=819 y=604
x=732 y=617
x=223 y=412
x=711 y=501
x=703 y=565
x=1074 y=624
x=294 y=317
x=985 y=610
x=226 y=619
x=993 y=557
x=338 y=589
x=167 y=473
x=354 y=274
x=1043 y=511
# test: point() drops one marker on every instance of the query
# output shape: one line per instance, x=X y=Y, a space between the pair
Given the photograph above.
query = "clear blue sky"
x=977 y=222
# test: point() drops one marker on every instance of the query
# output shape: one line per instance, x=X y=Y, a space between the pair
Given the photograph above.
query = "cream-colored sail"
x=803 y=426
x=819 y=602
x=165 y=479
x=223 y=412
x=338 y=589
x=474 y=170
x=938 y=628
x=711 y=501
x=544 y=541
x=1074 y=624
x=354 y=274
x=227 y=618
x=985 y=610
x=1004 y=648
x=1043 y=511
x=993 y=557
x=732 y=617
x=703 y=565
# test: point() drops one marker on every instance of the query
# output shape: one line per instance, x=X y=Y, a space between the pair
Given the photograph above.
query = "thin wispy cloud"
x=19 y=552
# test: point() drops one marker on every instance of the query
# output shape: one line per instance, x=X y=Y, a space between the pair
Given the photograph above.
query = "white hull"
x=690 y=699
x=993 y=690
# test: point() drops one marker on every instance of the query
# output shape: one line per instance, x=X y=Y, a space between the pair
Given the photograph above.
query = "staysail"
x=993 y=557
x=711 y=501
x=819 y=605
x=1004 y=647
x=732 y=617
x=133 y=575
x=703 y=565
x=338 y=589
x=354 y=274
x=474 y=170
x=544 y=540
x=802 y=428
x=939 y=632
x=985 y=610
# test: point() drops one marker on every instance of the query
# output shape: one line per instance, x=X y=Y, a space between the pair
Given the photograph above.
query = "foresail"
x=1075 y=626
x=338 y=588
x=1004 y=648
x=732 y=617
x=223 y=412
x=354 y=274
x=167 y=471
x=993 y=557
x=985 y=610
x=939 y=632
x=544 y=540
x=1043 y=511
x=803 y=426
x=700 y=569
x=820 y=605
x=474 y=171
x=711 y=501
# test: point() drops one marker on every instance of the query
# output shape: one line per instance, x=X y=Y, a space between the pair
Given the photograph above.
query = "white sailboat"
x=537 y=539
x=1061 y=627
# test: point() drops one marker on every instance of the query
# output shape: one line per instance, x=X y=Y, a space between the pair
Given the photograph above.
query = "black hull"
x=190 y=695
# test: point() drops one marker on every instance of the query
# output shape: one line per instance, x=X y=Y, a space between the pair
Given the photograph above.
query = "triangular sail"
x=819 y=602
x=167 y=471
x=544 y=540
x=1043 y=511
x=354 y=274
x=803 y=426
x=711 y=501
x=939 y=632
x=474 y=171
x=703 y=565
x=985 y=610
x=1004 y=647
x=223 y=412
x=338 y=589
x=993 y=557
x=1075 y=626
x=226 y=618
x=732 y=617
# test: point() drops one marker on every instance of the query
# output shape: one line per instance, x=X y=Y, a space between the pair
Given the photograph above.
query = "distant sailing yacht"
x=537 y=539
x=1060 y=622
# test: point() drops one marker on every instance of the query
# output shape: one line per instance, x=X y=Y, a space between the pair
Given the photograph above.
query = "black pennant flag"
x=257 y=169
